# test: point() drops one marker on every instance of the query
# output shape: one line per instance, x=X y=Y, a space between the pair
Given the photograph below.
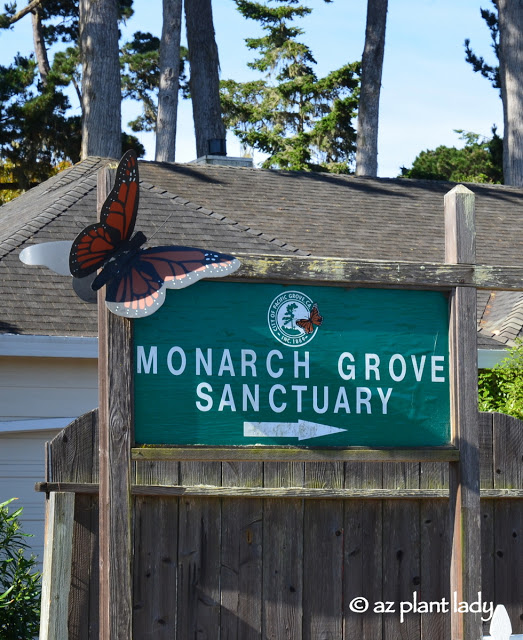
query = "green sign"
x=226 y=363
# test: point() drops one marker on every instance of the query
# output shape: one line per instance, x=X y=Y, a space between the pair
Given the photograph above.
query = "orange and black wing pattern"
x=314 y=319
x=140 y=290
x=98 y=242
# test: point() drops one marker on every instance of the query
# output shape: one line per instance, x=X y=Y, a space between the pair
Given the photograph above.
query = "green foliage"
x=35 y=132
x=19 y=583
x=501 y=388
x=478 y=62
x=300 y=121
x=139 y=59
x=478 y=161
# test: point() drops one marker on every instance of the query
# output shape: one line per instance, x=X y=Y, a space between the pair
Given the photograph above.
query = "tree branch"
x=23 y=12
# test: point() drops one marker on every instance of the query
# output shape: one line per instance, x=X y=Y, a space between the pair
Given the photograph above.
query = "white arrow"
x=303 y=430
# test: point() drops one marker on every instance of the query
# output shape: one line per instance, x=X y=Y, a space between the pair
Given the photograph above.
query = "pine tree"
x=300 y=121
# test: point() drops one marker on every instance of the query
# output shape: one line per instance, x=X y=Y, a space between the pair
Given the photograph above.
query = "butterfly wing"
x=314 y=319
x=315 y=316
x=141 y=289
x=99 y=241
x=53 y=255
x=306 y=325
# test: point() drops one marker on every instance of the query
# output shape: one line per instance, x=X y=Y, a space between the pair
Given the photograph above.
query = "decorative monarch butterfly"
x=137 y=278
x=314 y=319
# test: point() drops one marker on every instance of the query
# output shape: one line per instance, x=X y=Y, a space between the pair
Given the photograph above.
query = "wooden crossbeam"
x=381 y=273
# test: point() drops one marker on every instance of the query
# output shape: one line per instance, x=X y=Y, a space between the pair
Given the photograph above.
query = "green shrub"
x=19 y=582
x=501 y=388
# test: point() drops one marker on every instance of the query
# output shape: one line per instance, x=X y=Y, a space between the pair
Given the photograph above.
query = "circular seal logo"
x=293 y=318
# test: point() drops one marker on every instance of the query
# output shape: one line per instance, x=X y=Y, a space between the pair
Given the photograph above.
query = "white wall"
x=34 y=389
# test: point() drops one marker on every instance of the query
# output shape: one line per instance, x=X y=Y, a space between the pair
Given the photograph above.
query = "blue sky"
x=428 y=90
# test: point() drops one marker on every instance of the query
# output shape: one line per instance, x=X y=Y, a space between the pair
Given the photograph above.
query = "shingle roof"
x=241 y=210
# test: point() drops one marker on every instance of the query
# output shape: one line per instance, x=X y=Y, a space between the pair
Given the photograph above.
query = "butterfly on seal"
x=314 y=319
x=136 y=278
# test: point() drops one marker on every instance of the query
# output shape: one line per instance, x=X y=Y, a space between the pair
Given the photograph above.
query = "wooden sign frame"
x=458 y=275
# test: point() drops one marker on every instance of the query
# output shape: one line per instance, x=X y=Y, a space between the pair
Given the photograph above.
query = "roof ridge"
x=164 y=193
x=82 y=187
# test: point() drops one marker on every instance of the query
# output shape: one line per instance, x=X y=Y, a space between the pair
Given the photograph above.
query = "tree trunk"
x=39 y=45
x=369 y=102
x=510 y=65
x=169 y=74
x=101 y=93
x=204 y=83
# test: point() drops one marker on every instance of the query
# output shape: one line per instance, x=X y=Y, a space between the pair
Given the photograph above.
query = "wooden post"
x=465 y=569
x=56 y=581
x=116 y=436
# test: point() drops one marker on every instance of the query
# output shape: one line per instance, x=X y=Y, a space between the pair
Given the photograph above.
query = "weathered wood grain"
x=508 y=559
x=57 y=567
x=363 y=552
x=508 y=517
x=460 y=247
x=85 y=578
x=435 y=567
x=115 y=384
x=71 y=452
x=324 y=270
x=199 y=543
x=290 y=454
x=507 y=438
x=323 y=555
x=242 y=555
x=282 y=616
x=155 y=568
x=401 y=550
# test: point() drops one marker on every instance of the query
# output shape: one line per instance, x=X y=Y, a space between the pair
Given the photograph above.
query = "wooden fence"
x=289 y=550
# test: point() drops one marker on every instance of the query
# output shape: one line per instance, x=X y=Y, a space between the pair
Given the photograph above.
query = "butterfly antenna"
x=161 y=226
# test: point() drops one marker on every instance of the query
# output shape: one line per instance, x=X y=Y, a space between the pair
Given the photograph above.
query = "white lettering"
x=183 y=361
x=270 y=371
x=403 y=367
x=248 y=361
x=418 y=369
x=298 y=364
x=299 y=389
x=384 y=399
x=226 y=364
x=342 y=402
x=201 y=361
x=147 y=363
x=204 y=396
x=362 y=399
x=227 y=399
x=272 y=391
x=372 y=363
x=436 y=368
x=347 y=372
x=254 y=400
x=315 y=406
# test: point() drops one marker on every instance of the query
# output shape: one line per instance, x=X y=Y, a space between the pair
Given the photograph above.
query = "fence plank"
x=508 y=438
x=155 y=568
x=363 y=541
x=401 y=551
x=323 y=555
x=283 y=555
x=199 y=555
x=241 y=562
x=57 y=567
x=435 y=552
x=72 y=451
x=508 y=557
x=486 y=463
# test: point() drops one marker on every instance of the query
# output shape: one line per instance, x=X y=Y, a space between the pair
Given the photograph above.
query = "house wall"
x=38 y=397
